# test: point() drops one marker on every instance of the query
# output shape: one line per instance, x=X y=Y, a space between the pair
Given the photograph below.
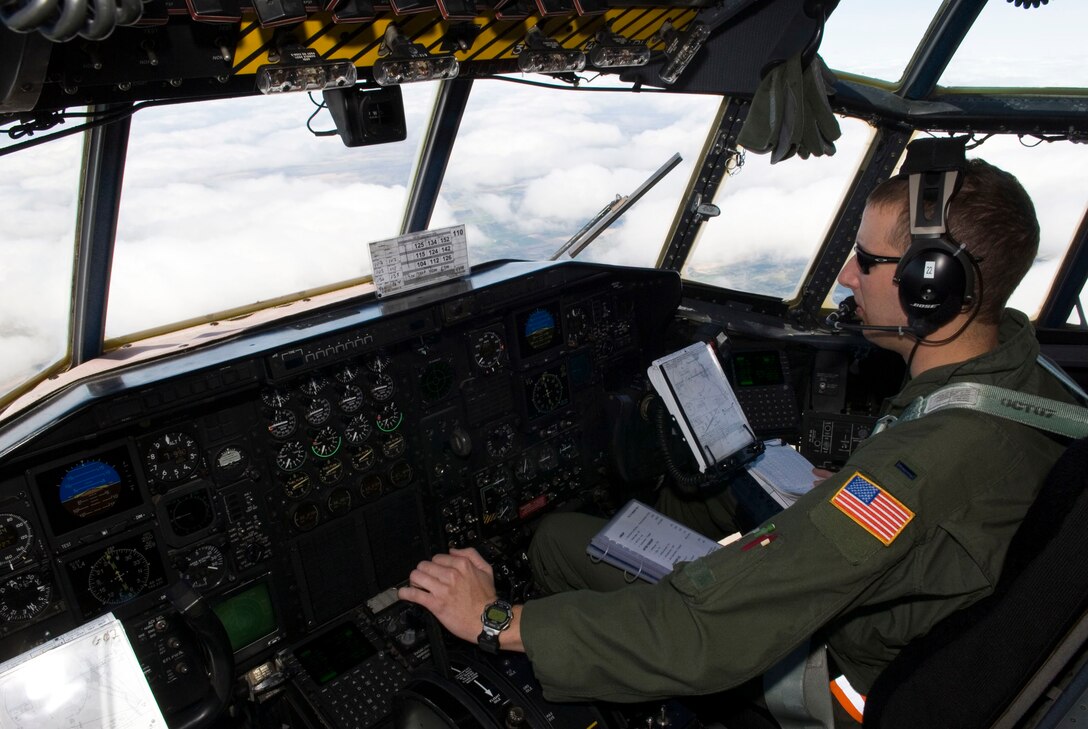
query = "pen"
x=759 y=542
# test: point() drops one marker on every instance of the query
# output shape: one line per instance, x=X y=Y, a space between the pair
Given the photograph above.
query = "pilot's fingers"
x=474 y=557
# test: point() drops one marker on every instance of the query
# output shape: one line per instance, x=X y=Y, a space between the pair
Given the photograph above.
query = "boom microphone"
x=845 y=318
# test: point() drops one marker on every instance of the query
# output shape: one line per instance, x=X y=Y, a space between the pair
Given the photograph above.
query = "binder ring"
x=598 y=560
x=634 y=577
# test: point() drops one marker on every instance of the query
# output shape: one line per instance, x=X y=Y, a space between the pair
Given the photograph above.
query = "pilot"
x=955 y=484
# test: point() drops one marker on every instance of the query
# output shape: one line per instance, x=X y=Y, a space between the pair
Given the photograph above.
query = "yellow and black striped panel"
x=497 y=39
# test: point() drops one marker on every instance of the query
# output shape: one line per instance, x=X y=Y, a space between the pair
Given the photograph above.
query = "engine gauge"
x=119 y=575
x=317 y=411
x=363 y=459
x=382 y=387
x=331 y=471
x=487 y=350
x=204 y=567
x=325 y=442
x=358 y=429
x=400 y=473
x=377 y=361
x=348 y=373
x=282 y=424
x=274 y=397
x=389 y=419
x=16 y=536
x=296 y=486
x=339 y=500
x=351 y=398
x=24 y=596
x=291 y=456
x=313 y=385
x=305 y=517
x=172 y=457
x=371 y=486
x=394 y=445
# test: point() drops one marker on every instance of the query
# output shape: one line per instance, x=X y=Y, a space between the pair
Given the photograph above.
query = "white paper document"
x=88 y=678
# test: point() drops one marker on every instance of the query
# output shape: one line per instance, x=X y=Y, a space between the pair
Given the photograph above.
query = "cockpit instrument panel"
x=293 y=473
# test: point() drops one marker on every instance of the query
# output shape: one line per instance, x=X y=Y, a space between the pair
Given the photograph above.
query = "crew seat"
x=1017 y=657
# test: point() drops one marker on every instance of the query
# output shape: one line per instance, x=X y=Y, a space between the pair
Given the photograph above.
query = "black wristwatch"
x=496 y=618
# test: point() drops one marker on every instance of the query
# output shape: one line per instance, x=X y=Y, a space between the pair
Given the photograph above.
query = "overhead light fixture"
x=681 y=47
x=544 y=55
x=615 y=51
x=401 y=61
x=302 y=69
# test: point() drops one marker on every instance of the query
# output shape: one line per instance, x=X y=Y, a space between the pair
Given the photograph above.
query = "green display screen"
x=247 y=616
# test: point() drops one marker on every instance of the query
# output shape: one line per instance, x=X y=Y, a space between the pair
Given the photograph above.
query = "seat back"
x=969 y=669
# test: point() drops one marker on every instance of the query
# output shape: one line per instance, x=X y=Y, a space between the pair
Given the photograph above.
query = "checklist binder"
x=646 y=544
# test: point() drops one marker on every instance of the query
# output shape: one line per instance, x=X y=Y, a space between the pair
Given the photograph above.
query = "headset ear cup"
x=933 y=284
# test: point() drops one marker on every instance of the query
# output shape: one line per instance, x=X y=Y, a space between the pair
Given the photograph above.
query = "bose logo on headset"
x=936 y=276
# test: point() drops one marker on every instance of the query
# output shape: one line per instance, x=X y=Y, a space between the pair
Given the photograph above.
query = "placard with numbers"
x=419 y=259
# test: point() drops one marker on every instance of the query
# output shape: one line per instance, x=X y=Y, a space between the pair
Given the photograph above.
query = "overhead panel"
x=494 y=38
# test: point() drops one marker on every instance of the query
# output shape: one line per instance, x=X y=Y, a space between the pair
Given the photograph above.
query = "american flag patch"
x=873 y=508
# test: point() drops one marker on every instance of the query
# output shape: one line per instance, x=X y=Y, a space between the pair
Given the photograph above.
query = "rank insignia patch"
x=873 y=508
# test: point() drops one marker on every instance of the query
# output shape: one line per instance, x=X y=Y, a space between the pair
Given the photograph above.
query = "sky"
x=233 y=202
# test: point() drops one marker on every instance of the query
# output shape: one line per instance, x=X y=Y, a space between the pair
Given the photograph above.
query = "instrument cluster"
x=291 y=482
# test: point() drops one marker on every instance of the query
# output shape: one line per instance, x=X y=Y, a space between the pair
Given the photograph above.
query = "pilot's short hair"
x=993 y=216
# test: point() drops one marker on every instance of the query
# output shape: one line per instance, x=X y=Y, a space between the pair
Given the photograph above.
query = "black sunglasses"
x=867 y=260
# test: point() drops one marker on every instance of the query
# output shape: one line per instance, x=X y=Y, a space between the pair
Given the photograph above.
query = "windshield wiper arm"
x=611 y=212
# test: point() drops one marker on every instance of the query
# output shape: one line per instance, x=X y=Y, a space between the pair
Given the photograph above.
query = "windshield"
x=228 y=205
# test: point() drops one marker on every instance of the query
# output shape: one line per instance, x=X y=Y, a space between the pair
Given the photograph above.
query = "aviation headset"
x=936 y=276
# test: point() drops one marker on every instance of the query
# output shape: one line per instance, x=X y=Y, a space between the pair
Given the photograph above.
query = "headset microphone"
x=845 y=319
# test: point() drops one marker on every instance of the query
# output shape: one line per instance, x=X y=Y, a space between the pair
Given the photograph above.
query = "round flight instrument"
x=547 y=392
x=325 y=442
x=331 y=471
x=313 y=385
x=205 y=566
x=282 y=424
x=274 y=397
x=119 y=575
x=317 y=411
x=297 y=485
x=540 y=330
x=172 y=457
x=382 y=387
x=351 y=398
x=339 y=500
x=90 y=487
x=348 y=373
x=389 y=419
x=24 y=596
x=305 y=517
x=16 y=536
x=436 y=380
x=500 y=441
x=190 y=513
x=487 y=350
x=291 y=456
x=230 y=460
x=358 y=429
x=364 y=458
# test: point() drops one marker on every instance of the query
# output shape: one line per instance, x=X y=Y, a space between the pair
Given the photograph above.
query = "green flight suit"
x=967 y=478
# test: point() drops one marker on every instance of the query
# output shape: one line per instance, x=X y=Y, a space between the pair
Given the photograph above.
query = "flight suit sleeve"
x=713 y=623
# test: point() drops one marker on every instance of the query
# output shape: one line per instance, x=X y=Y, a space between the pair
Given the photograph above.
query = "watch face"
x=496 y=614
